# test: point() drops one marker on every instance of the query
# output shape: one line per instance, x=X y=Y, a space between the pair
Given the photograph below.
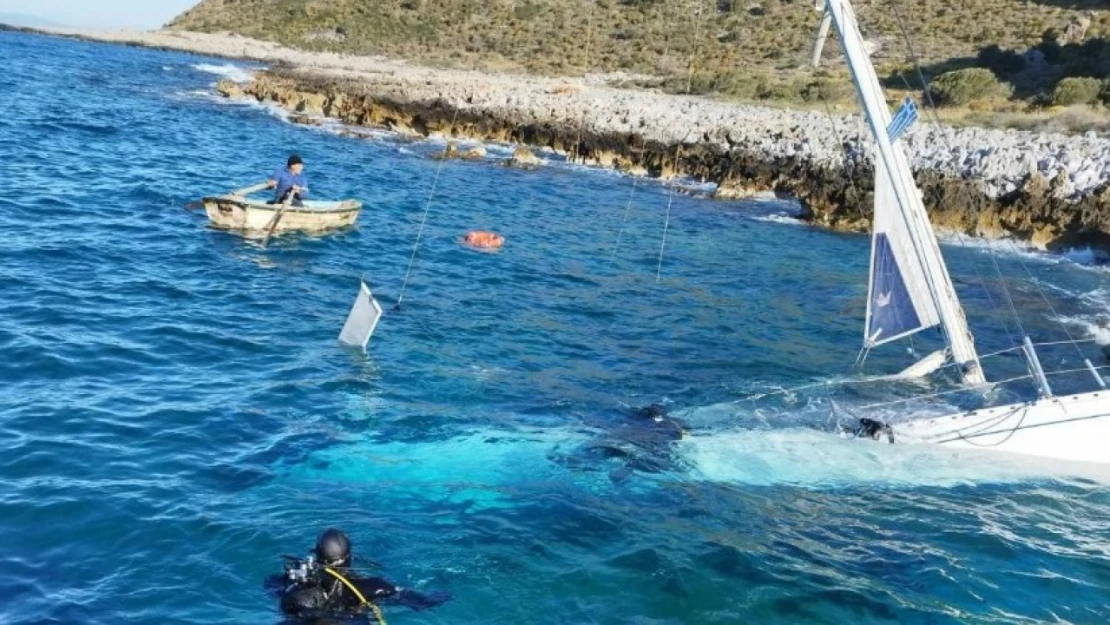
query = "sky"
x=100 y=13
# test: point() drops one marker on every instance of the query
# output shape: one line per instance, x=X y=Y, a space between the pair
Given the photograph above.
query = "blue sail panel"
x=891 y=306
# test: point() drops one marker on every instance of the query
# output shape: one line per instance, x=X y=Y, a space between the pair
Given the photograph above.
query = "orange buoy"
x=484 y=240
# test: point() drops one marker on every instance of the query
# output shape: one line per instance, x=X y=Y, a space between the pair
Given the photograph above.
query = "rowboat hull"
x=252 y=219
x=1073 y=428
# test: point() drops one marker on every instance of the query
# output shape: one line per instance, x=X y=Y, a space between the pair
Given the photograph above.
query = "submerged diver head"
x=333 y=548
x=655 y=412
x=873 y=429
x=655 y=423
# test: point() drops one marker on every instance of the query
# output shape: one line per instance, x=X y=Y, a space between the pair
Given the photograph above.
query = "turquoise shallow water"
x=176 y=412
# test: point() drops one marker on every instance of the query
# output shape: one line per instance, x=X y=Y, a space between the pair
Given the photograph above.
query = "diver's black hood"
x=333 y=548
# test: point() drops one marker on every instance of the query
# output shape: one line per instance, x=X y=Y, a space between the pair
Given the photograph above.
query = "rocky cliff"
x=1051 y=190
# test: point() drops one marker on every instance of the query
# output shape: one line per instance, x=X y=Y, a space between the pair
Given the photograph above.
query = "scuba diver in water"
x=641 y=442
x=874 y=429
x=321 y=587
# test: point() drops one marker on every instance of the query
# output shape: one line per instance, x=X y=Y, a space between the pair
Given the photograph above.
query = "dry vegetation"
x=744 y=49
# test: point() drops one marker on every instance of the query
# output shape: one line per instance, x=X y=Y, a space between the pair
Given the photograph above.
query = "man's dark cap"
x=295 y=160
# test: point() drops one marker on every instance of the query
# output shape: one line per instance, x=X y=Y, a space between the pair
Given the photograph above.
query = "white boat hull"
x=1074 y=428
x=252 y=219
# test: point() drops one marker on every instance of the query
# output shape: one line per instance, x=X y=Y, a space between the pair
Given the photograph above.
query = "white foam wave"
x=1100 y=332
x=227 y=70
x=1081 y=255
x=269 y=108
x=781 y=219
x=810 y=458
x=1085 y=257
x=694 y=187
x=1099 y=298
x=997 y=246
x=481 y=467
x=501 y=149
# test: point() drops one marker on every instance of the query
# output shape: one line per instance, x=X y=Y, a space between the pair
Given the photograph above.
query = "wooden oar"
x=254 y=188
x=272 y=226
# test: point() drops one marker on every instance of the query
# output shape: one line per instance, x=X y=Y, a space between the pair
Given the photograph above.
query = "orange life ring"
x=484 y=240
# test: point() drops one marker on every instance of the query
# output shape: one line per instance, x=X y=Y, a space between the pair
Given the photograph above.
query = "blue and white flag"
x=903 y=119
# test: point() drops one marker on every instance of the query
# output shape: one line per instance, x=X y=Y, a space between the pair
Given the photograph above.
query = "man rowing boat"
x=289 y=180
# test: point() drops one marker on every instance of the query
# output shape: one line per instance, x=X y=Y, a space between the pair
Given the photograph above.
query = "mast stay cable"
x=689 y=86
x=896 y=9
x=424 y=218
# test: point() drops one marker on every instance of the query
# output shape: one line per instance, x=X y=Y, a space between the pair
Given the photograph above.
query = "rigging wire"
x=1044 y=296
x=424 y=218
x=689 y=85
x=1024 y=413
x=666 y=228
x=1007 y=296
x=627 y=213
x=886 y=378
x=932 y=106
x=896 y=9
x=864 y=351
x=965 y=240
x=585 y=71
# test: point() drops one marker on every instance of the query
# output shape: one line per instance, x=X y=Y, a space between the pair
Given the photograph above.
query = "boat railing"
x=1071 y=379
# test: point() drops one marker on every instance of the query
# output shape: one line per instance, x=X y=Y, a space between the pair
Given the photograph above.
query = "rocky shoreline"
x=1052 y=190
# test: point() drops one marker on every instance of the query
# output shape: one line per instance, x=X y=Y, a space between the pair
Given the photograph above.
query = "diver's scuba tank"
x=301 y=571
x=304 y=590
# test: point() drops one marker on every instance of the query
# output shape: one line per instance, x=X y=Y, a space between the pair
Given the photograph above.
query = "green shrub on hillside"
x=755 y=49
x=1071 y=91
x=825 y=90
x=964 y=86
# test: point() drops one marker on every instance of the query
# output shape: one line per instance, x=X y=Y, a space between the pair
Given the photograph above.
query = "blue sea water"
x=175 y=411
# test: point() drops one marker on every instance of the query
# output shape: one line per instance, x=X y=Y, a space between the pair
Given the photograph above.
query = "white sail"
x=896 y=188
x=910 y=289
x=899 y=301
x=362 y=320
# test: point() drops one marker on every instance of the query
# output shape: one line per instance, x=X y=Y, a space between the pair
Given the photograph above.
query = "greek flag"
x=903 y=119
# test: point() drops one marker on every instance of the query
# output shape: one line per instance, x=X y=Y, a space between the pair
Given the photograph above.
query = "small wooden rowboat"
x=257 y=219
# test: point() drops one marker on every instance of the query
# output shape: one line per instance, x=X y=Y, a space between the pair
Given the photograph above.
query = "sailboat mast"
x=910 y=205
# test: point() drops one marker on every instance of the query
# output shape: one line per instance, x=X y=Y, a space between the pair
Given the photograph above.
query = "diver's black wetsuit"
x=329 y=600
x=642 y=442
x=873 y=429
x=315 y=589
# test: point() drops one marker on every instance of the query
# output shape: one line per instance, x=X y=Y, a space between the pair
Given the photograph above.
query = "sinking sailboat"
x=910 y=290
